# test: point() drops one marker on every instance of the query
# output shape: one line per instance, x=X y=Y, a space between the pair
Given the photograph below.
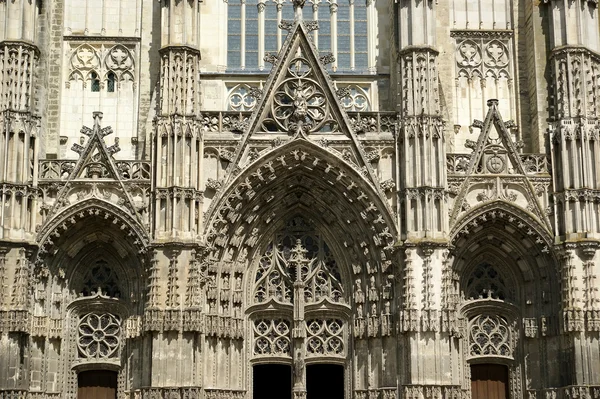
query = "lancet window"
x=253 y=30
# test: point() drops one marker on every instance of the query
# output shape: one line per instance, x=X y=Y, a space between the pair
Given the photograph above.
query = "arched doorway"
x=97 y=384
x=299 y=315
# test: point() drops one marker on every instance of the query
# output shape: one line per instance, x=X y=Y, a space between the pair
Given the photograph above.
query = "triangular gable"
x=495 y=154
x=300 y=101
x=95 y=163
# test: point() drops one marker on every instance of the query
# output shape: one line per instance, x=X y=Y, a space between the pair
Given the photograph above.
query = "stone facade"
x=437 y=210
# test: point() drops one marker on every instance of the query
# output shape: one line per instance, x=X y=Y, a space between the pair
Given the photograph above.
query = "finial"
x=97 y=118
x=298 y=5
x=492 y=102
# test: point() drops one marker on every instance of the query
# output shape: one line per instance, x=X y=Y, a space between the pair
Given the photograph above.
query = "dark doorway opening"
x=98 y=384
x=272 y=381
x=489 y=381
x=325 y=381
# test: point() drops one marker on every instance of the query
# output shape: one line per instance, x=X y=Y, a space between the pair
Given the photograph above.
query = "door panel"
x=489 y=381
x=99 y=384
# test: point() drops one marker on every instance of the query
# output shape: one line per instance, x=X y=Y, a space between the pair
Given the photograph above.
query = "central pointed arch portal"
x=313 y=236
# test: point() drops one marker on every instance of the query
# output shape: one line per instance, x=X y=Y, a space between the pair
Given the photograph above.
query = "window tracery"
x=100 y=278
x=487 y=282
x=356 y=98
x=98 y=336
x=271 y=337
x=324 y=337
x=320 y=276
x=298 y=269
x=342 y=28
x=102 y=66
x=490 y=336
x=242 y=98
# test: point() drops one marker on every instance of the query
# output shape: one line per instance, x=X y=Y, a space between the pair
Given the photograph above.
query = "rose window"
x=98 y=335
x=299 y=104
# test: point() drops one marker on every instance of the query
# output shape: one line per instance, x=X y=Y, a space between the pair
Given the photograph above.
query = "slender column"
x=178 y=127
x=422 y=198
x=574 y=134
x=261 y=35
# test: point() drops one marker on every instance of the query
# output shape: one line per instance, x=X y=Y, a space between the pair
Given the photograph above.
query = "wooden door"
x=489 y=381
x=99 y=384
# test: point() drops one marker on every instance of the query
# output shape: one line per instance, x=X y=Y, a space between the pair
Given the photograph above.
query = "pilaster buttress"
x=173 y=310
x=19 y=129
x=422 y=195
x=574 y=136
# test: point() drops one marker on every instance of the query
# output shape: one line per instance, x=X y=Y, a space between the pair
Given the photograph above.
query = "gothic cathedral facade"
x=307 y=199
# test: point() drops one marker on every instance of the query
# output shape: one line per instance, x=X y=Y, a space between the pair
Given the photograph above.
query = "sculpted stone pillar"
x=19 y=129
x=422 y=198
x=174 y=313
x=19 y=126
x=574 y=136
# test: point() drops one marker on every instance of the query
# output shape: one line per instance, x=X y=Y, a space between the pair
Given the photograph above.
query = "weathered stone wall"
x=394 y=222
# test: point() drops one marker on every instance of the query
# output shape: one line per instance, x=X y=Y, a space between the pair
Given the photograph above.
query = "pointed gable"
x=496 y=156
x=95 y=164
x=300 y=102
x=494 y=152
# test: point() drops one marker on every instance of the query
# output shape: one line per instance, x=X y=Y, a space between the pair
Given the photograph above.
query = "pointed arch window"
x=110 y=82
x=100 y=278
x=300 y=256
x=95 y=82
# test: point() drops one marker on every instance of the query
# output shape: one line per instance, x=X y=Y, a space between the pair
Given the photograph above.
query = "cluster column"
x=422 y=207
x=574 y=136
x=19 y=129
